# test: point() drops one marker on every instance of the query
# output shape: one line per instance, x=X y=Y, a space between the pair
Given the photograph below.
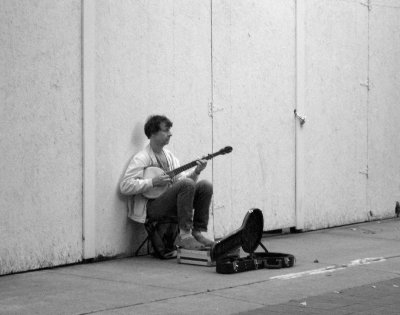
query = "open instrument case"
x=248 y=236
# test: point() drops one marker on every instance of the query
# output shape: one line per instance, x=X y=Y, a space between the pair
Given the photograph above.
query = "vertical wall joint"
x=300 y=54
x=89 y=127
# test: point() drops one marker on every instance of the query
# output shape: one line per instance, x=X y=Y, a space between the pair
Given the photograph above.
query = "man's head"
x=157 y=128
x=154 y=124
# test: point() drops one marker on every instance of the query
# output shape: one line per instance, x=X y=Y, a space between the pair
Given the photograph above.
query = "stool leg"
x=141 y=245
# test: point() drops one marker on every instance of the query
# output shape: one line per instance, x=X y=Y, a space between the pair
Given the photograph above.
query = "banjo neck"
x=187 y=166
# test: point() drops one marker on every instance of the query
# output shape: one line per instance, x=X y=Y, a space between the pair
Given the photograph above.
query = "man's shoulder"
x=143 y=154
x=142 y=151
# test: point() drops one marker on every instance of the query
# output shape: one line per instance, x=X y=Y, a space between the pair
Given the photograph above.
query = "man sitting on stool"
x=185 y=198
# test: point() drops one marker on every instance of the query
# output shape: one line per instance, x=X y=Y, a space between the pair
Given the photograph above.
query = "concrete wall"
x=254 y=61
x=384 y=108
x=254 y=97
x=40 y=134
x=348 y=148
x=152 y=57
x=334 y=137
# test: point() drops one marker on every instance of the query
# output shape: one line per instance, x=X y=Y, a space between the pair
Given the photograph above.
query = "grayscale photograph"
x=199 y=157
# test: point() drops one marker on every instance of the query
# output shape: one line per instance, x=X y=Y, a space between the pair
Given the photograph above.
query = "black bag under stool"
x=161 y=234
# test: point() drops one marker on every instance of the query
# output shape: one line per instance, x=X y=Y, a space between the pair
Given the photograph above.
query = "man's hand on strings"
x=162 y=180
x=201 y=165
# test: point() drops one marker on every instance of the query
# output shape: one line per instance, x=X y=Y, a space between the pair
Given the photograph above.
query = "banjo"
x=153 y=171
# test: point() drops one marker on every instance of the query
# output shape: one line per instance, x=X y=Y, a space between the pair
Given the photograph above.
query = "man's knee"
x=205 y=186
x=187 y=183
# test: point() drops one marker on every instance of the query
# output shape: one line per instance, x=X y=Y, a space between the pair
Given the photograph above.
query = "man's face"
x=162 y=136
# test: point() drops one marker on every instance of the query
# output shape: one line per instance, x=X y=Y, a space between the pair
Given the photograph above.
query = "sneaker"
x=188 y=242
x=202 y=239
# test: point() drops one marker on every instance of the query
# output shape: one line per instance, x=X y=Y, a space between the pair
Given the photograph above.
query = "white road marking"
x=353 y=263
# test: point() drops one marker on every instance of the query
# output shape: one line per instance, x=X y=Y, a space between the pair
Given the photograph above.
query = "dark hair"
x=153 y=123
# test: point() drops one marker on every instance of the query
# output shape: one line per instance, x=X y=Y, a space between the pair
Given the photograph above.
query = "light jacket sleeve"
x=133 y=182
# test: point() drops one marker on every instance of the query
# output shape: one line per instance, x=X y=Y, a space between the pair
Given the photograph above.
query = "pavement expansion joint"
x=140 y=303
x=117 y=281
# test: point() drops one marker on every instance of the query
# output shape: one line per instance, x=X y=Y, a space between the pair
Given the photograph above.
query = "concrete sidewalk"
x=347 y=270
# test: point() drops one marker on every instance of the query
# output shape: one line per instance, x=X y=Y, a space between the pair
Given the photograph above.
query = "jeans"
x=188 y=200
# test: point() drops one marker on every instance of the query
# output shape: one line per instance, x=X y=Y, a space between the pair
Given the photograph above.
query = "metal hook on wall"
x=301 y=118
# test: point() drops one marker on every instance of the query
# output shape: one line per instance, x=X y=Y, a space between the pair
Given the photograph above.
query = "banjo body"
x=155 y=192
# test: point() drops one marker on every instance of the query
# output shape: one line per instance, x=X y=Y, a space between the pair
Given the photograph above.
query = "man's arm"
x=133 y=182
x=201 y=165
